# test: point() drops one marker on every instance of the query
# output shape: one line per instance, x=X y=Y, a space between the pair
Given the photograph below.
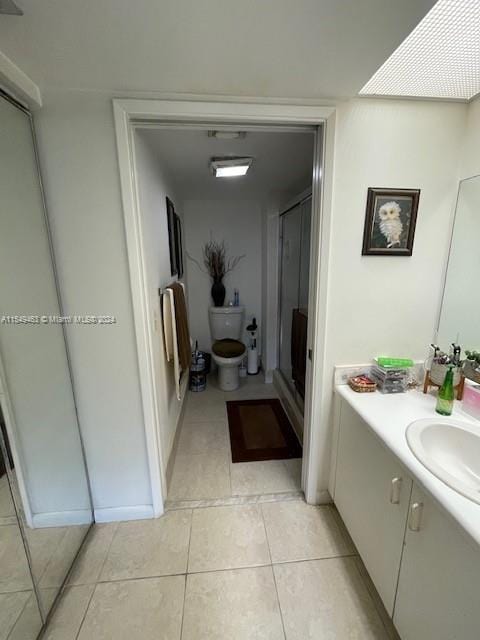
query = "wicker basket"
x=361 y=387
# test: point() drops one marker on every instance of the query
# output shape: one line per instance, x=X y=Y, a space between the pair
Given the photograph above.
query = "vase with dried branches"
x=217 y=265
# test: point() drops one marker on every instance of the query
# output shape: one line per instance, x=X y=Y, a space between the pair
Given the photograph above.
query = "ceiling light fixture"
x=230 y=167
x=224 y=134
x=439 y=59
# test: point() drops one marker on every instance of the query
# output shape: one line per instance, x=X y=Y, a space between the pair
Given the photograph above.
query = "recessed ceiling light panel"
x=439 y=59
x=230 y=167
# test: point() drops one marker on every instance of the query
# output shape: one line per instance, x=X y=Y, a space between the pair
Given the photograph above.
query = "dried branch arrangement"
x=215 y=260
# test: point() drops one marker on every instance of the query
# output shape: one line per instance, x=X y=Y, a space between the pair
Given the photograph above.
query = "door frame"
x=131 y=112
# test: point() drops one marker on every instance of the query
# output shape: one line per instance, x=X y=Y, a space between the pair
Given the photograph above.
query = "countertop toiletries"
x=396 y=363
x=446 y=395
x=389 y=379
x=236 y=298
x=362 y=384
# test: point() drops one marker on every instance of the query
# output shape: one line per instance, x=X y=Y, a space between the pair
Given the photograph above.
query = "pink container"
x=471 y=400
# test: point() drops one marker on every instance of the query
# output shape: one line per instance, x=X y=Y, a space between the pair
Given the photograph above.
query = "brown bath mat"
x=261 y=430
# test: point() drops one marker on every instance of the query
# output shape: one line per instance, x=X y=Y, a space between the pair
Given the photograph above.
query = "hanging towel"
x=299 y=349
x=167 y=326
x=181 y=325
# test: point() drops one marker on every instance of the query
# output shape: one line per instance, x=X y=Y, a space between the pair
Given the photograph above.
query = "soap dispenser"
x=446 y=395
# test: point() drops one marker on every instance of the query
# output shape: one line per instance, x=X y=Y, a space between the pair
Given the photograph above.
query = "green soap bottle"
x=446 y=395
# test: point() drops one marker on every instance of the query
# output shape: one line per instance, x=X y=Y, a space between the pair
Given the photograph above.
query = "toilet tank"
x=226 y=322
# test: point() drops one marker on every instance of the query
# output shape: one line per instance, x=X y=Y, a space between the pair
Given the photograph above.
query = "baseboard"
x=62 y=518
x=117 y=514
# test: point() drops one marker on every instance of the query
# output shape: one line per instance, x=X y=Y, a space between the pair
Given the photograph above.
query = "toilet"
x=226 y=324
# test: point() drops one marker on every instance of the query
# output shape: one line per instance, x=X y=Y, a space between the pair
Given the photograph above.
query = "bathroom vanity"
x=418 y=537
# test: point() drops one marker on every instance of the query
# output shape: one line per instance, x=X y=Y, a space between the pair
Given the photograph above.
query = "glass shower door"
x=294 y=284
x=291 y=234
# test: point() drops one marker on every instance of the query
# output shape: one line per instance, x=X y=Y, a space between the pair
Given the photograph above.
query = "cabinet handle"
x=415 y=518
x=395 y=489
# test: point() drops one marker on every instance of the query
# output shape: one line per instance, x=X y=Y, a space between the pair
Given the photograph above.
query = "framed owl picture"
x=390 y=221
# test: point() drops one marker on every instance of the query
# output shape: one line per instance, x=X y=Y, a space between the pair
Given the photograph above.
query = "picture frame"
x=179 y=245
x=171 y=237
x=390 y=220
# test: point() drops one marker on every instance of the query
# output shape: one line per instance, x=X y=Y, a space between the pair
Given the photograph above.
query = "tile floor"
x=203 y=468
x=278 y=570
x=210 y=569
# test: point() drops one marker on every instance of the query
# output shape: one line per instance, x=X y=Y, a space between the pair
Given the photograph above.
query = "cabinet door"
x=372 y=494
x=438 y=591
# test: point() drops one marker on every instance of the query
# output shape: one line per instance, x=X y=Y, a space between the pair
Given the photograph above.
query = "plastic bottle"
x=446 y=395
x=236 y=299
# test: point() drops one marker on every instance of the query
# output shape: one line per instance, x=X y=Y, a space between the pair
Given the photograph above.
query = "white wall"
x=375 y=304
x=388 y=305
x=239 y=224
x=80 y=170
x=470 y=154
x=154 y=186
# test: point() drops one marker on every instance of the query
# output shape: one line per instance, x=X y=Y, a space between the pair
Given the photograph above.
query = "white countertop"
x=389 y=416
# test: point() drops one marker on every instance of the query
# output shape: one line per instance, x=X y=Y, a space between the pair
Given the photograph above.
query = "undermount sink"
x=450 y=449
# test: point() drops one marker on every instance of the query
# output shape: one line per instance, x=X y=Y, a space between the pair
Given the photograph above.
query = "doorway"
x=128 y=115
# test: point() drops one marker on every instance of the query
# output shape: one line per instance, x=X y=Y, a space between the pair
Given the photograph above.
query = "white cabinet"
x=439 y=587
x=372 y=494
x=424 y=566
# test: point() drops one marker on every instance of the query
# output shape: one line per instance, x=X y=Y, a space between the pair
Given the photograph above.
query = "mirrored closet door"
x=48 y=497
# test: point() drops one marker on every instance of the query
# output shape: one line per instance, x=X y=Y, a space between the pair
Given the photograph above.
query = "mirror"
x=19 y=612
x=47 y=476
x=460 y=313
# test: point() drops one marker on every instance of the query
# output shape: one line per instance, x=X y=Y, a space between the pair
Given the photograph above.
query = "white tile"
x=7 y=510
x=298 y=531
x=271 y=476
x=205 y=406
x=239 y=604
x=148 y=609
x=11 y=606
x=14 y=574
x=29 y=622
x=90 y=561
x=63 y=557
x=43 y=544
x=143 y=548
x=69 y=613
x=227 y=538
x=252 y=389
x=203 y=437
x=326 y=599
x=200 y=476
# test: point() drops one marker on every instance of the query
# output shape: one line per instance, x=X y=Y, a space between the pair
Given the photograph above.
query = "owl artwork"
x=390 y=223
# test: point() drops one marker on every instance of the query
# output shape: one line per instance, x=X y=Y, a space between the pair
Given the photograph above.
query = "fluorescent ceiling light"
x=439 y=59
x=229 y=167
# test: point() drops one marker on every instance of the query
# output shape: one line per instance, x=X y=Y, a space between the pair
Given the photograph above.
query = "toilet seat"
x=228 y=348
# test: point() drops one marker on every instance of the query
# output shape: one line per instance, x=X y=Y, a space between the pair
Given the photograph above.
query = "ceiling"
x=281 y=168
x=283 y=48
x=439 y=59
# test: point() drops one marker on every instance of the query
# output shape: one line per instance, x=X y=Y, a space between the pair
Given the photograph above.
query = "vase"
x=218 y=293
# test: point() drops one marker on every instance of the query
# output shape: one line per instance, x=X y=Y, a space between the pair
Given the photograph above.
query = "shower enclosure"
x=45 y=507
x=295 y=225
